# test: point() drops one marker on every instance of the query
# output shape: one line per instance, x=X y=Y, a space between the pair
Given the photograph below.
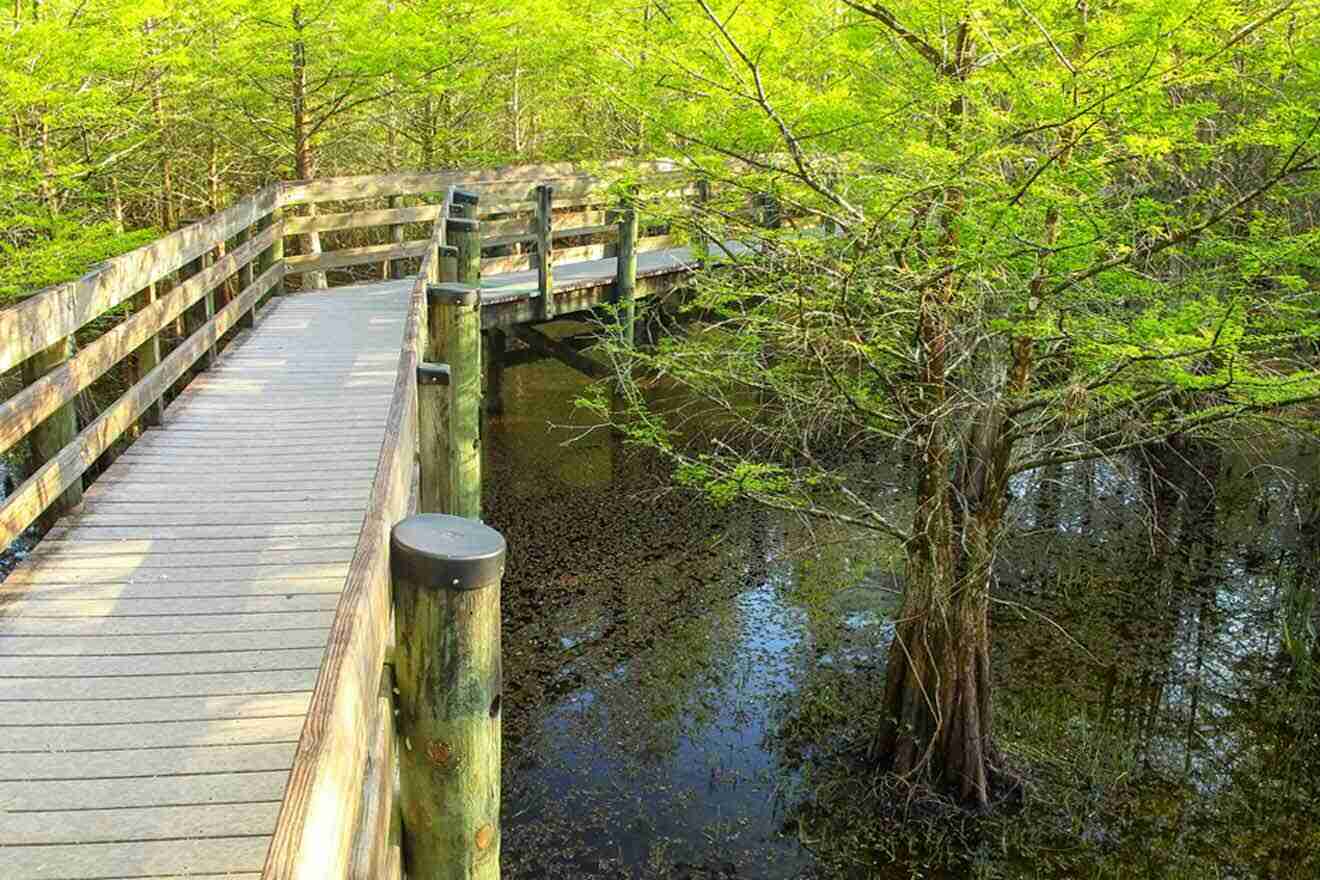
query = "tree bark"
x=938 y=706
x=304 y=157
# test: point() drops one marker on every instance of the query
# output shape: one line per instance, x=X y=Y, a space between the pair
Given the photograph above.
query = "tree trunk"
x=938 y=692
x=304 y=158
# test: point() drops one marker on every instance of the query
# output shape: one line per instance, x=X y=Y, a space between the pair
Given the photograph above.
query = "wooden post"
x=273 y=254
x=702 y=244
x=147 y=357
x=58 y=430
x=545 y=280
x=493 y=352
x=454 y=323
x=432 y=437
x=393 y=269
x=199 y=313
x=447 y=265
x=768 y=214
x=625 y=283
x=464 y=234
x=446 y=575
x=245 y=278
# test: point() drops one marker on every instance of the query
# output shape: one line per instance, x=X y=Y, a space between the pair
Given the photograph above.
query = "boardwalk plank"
x=143 y=791
x=141 y=710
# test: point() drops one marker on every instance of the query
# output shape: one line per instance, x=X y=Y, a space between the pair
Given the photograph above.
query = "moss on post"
x=545 y=279
x=446 y=575
x=464 y=235
x=455 y=340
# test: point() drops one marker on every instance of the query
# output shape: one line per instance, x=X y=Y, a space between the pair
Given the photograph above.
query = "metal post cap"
x=453 y=294
x=445 y=552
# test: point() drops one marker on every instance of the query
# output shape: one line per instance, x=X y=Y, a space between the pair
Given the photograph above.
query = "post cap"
x=442 y=552
x=464 y=197
x=433 y=374
x=453 y=294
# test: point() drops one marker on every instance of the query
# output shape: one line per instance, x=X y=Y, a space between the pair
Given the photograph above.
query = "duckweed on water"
x=690 y=690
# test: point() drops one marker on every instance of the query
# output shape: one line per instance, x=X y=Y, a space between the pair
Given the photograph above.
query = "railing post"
x=702 y=243
x=626 y=273
x=433 y=437
x=768 y=214
x=58 y=430
x=453 y=422
x=245 y=279
x=147 y=357
x=545 y=279
x=464 y=234
x=446 y=574
x=393 y=269
x=202 y=311
x=273 y=254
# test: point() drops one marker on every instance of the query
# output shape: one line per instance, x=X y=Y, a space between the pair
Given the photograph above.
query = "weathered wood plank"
x=111 y=646
x=379 y=185
x=137 y=711
x=361 y=219
x=149 y=665
x=95 y=627
x=161 y=734
x=123 y=687
x=228 y=857
x=370 y=253
x=83 y=826
x=245 y=787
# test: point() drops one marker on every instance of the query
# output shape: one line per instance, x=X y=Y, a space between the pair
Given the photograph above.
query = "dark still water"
x=687 y=688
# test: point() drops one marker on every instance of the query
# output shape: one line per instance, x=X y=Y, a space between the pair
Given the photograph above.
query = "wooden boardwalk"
x=191 y=660
x=159 y=647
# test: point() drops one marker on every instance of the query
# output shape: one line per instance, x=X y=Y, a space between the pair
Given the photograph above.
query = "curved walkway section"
x=158 y=648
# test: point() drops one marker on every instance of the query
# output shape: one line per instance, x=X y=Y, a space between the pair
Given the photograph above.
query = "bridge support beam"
x=446 y=574
x=449 y=389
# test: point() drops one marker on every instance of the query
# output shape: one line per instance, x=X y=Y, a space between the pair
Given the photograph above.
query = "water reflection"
x=680 y=678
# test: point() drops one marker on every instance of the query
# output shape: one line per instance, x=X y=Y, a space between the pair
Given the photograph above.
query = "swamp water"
x=680 y=681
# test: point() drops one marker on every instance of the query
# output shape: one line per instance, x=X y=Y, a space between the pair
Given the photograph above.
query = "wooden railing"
x=211 y=275
x=510 y=216
x=239 y=243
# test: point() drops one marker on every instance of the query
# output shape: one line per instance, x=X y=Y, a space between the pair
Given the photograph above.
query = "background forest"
x=122 y=119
